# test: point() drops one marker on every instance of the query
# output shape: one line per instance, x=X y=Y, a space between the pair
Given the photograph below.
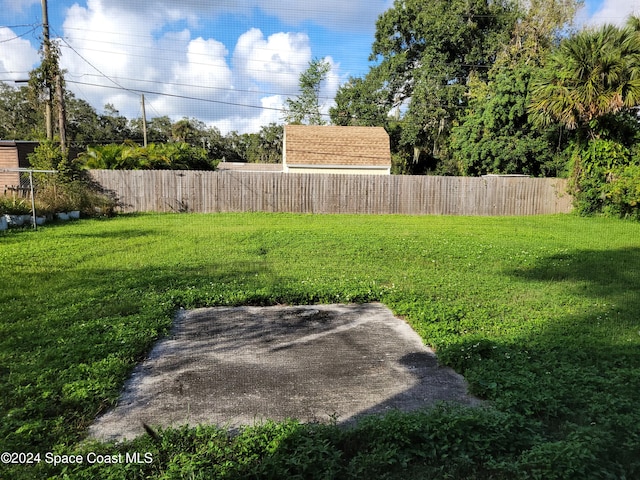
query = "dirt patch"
x=234 y=366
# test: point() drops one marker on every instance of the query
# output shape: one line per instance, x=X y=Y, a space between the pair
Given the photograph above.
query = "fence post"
x=33 y=201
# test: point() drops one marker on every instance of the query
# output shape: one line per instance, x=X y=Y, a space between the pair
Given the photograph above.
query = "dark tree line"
x=20 y=119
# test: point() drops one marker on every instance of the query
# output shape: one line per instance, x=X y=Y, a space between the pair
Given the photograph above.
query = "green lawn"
x=541 y=315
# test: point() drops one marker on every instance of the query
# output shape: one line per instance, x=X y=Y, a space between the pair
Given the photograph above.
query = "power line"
x=222 y=65
x=205 y=87
x=19 y=36
x=150 y=38
x=92 y=65
x=24 y=25
x=186 y=97
x=174 y=95
x=14 y=73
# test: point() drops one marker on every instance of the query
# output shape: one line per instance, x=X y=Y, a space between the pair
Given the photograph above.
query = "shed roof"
x=249 y=167
x=336 y=146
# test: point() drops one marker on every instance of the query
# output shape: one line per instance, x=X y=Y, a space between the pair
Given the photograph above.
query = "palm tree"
x=592 y=75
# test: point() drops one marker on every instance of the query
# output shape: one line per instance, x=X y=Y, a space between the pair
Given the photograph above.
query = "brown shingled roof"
x=249 y=167
x=331 y=145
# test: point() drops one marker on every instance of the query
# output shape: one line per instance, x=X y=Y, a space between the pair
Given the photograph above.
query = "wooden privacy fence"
x=228 y=191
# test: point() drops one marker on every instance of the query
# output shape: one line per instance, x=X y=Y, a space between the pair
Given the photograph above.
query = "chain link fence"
x=19 y=191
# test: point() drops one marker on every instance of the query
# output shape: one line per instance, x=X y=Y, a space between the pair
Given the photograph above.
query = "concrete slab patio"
x=234 y=366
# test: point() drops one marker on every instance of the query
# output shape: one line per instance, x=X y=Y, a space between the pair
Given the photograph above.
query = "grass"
x=539 y=313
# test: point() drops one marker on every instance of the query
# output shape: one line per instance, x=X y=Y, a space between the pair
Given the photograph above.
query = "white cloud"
x=610 y=11
x=195 y=75
x=205 y=63
x=17 y=56
x=271 y=112
x=275 y=62
x=111 y=46
x=332 y=14
x=18 y=5
x=113 y=54
x=202 y=73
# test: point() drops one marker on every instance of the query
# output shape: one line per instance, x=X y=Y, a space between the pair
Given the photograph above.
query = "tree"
x=113 y=126
x=305 y=109
x=591 y=85
x=184 y=131
x=18 y=119
x=496 y=134
x=270 y=140
x=590 y=78
x=158 y=129
x=266 y=145
x=427 y=52
x=235 y=147
x=361 y=102
x=82 y=120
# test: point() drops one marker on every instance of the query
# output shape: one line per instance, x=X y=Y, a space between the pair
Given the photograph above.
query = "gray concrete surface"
x=234 y=366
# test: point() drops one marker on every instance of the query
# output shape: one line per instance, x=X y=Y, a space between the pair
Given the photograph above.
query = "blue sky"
x=230 y=63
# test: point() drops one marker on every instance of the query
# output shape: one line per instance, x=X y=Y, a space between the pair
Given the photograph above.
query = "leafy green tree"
x=592 y=76
x=305 y=109
x=187 y=131
x=19 y=120
x=270 y=143
x=427 y=52
x=361 y=102
x=496 y=135
x=158 y=129
x=266 y=145
x=82 y=120
x=114 y=127
x=214 y=143
x=591 y=84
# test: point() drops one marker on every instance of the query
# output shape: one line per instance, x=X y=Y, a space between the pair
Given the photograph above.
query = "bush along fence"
x=228 y=191
x=31 y=197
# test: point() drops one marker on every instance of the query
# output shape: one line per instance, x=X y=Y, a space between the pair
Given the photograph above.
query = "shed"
x=13 y=155
x=333 y=149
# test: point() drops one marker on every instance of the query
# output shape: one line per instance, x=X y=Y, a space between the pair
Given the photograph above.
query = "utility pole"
x=48 y=120
x=144 y=122
x=57 y=81
x=62 y=116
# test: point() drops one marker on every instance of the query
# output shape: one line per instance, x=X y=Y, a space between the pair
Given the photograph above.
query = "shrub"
x=622 y=192
x=606 y=179
x=14 y=206
x=68 y=189
x=156 y=156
